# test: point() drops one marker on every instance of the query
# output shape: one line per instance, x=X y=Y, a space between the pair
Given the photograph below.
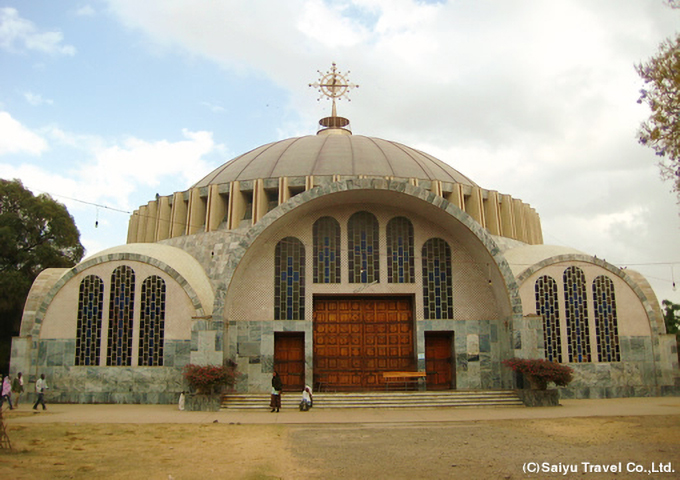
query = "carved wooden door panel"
x=356 y=339
x=439 y=360
x=289 y=360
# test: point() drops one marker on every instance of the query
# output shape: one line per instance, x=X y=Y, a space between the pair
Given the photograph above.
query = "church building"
x=333 y=259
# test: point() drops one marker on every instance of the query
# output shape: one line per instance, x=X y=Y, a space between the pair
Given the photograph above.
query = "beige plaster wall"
x=632 y=317
x=61 y=316
x=251 y=296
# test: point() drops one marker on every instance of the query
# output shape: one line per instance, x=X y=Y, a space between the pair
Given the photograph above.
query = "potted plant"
x=208 y=379
x=540 y=372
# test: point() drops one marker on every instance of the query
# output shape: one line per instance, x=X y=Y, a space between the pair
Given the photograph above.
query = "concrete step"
x=454 y=398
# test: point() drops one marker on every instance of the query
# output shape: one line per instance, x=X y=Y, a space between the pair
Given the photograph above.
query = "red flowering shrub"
x=542 y=371
x=206 y=378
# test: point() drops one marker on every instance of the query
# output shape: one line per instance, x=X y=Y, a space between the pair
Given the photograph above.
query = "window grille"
x=578 y=332
x=400 y=263
x=152 y=322
x=289 y=282
x=121 y=312
x=326 y=233
x=437 y=279
x=89 y=320
x=364 y=248
x=606 y=321
x=547 y=306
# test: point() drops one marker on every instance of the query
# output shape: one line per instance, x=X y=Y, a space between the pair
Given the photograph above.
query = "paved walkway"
x=57 y=413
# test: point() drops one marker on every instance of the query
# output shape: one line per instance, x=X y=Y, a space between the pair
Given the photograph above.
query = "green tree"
x=661 y=131
x=36 y=233
x=671 y=316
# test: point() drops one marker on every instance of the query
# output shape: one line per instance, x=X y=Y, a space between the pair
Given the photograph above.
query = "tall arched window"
x=121 y=312
x=89 y=323
x=606 y=321
x=547 y=306
x=289 y=282
x=326 y=234
x=437 y=281
x=364 y=248
x=578 y=332
x=152 y=322
x=400 y=264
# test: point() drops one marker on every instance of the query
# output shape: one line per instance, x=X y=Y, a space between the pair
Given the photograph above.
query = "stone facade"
x=220 y=280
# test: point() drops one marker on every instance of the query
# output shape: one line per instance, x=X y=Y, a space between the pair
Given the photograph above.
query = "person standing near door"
x=277 y=388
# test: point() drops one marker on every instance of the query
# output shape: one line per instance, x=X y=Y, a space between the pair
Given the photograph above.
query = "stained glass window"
x=364 y=248
x=606 y=321
x=437 y=280
x=289 y=281
x=121 y=311
x=400 y=263
x=152 y=322
x=576 y=313
x=89 y=322
x=547 y=306
x=326 y=233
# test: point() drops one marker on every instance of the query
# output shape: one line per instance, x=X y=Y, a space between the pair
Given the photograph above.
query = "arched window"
x=289 y=282
x=437 y=288
x=89 y=324
x=547 y=306
x=606 y=321
x=578 y=332
x=121 y=312
x=364 y=248
x=400 y=264
x=152 y=322
x=326 y=234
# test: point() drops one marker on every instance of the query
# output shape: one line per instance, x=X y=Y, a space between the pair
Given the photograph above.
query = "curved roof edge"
x=523 y=257
x=179 y=260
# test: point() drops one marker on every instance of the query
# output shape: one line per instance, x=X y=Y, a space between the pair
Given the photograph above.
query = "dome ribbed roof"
x=347 y=155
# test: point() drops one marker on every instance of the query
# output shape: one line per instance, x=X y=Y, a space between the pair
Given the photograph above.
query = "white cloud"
x=18 y=34
x=36 y=99
x=16 y=138
x=85 y=11
x=534 y=99
x=119 y=175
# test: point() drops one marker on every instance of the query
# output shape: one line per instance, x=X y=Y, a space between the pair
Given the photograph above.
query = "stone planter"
x=540 y=398
x=196 y=402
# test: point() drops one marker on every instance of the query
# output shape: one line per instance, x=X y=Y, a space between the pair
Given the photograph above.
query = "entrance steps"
x=453 y=398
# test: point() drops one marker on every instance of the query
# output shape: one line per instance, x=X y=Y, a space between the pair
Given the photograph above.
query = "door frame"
x=321 y=380
x=450 y=338
x=289 y=386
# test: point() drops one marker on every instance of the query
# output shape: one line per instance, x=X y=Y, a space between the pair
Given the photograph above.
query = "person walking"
x=17 y=388
x=6 y=392
x=277 y=388
x=40 y=387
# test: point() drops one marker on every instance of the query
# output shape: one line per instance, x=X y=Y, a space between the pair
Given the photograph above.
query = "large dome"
x=351 y=155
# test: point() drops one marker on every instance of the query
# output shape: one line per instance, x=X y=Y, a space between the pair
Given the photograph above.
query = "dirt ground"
x=499 y=449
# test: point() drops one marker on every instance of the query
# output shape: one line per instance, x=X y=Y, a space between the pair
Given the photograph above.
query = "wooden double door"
x=356 y=339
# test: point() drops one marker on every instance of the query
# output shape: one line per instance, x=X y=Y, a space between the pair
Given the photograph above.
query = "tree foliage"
x=36 y=233
x=661 y=93
x=671 y=316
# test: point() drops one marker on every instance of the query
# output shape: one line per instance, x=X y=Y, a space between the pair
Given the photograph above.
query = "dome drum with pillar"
x=334 y=259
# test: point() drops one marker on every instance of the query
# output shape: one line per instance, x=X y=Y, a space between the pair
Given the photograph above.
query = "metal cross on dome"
x=333 y=84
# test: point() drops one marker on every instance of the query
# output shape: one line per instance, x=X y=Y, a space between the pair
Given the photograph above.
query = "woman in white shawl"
x=307 y=399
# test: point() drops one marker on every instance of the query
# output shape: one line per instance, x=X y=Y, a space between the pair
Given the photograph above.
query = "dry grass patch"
x=148 y=451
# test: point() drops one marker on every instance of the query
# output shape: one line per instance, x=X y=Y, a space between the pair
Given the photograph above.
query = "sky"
x=105 y=103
